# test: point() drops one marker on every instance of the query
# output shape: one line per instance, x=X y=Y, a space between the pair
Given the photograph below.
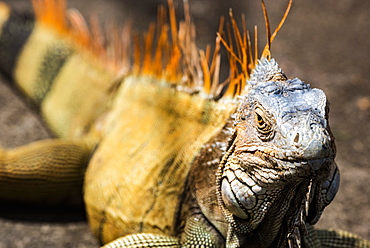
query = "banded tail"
x=40 y=57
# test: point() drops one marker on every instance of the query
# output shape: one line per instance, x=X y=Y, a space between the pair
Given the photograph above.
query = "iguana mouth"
x=284 y=155
x=249 y=191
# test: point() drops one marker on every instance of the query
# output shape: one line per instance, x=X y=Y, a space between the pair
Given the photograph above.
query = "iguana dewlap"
x=168 y=156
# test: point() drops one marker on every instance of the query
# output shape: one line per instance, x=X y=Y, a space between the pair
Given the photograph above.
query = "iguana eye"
x=262 y=123
x=260 y=120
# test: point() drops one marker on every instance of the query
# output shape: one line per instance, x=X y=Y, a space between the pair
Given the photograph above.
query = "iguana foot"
x=144 y=240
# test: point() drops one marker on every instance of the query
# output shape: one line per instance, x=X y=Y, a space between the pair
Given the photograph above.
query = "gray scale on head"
x=295 y=111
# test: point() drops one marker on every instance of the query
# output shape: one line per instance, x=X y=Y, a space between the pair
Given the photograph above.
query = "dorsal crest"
x=167 y=50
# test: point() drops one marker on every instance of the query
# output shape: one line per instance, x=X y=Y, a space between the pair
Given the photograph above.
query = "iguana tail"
x=34 y=53
x=15 y=30
x=44 y=57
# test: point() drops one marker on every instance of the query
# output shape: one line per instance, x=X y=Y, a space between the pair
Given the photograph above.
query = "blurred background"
x=324 y=43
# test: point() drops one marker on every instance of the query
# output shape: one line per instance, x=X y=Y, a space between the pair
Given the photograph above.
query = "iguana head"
x=279 y=170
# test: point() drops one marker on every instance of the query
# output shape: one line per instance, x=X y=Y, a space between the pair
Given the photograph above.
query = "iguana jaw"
x=253 y=183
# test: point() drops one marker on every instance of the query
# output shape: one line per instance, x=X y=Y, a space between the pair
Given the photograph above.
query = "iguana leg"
x=144 y=240
x=333 y=238
x=342 y=239
x=46 y=172
x=198 y=234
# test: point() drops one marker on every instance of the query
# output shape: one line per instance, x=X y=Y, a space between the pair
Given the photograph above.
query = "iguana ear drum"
x=239 y=198
x=230 y=200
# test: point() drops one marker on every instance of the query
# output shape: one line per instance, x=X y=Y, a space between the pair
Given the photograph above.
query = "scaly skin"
x=169 y=163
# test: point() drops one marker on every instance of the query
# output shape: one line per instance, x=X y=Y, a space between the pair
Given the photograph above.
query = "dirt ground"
x=325 y=43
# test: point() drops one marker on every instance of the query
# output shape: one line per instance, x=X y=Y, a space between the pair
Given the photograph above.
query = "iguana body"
x=170 y=165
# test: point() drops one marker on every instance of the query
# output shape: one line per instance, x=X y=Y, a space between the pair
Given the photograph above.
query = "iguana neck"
x=199 y=200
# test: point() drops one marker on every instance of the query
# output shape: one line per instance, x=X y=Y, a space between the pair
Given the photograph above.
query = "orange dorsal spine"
x=167 y=50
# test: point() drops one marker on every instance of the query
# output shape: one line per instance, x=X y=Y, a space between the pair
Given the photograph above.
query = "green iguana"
x=169 y=156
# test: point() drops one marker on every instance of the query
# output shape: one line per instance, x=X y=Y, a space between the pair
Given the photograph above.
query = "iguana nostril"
x=296 y=139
